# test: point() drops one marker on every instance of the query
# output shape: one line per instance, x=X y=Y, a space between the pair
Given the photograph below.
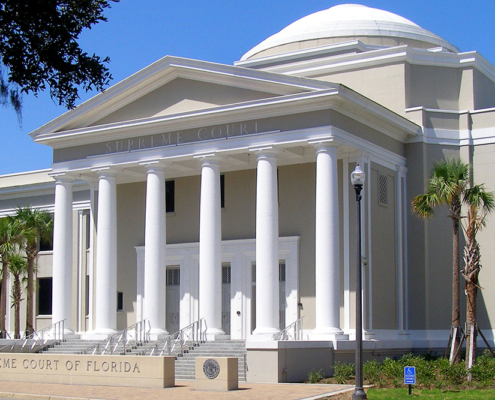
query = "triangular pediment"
x=174 y=86
x=182 y=95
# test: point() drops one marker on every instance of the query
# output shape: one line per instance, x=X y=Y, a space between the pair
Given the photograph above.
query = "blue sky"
x=140 y=32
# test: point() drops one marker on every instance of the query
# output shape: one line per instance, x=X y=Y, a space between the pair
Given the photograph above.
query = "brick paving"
x=183 y=390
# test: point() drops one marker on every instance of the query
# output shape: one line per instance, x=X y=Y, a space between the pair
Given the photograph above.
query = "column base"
x=328 y=334
x=213 y=334
x=101 y=334
x=264 y=333
x=157 y=334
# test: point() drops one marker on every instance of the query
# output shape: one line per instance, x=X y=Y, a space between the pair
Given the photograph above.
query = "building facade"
x=198 y=190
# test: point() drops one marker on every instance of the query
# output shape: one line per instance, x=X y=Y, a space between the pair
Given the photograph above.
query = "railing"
x=53 y=332
x=131 y=337
x=177 y=343
x=293 y=332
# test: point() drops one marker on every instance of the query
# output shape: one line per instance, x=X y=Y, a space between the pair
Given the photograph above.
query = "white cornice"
x=167 y=69
x=340 y=98
x=333 y=64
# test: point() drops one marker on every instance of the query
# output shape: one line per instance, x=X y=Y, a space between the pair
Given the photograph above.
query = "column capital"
x=209 y=158
x=105 y=172
x=265 y=151
x=62 y=177
x=401 y=169
x=154 y=165
x=324 y=143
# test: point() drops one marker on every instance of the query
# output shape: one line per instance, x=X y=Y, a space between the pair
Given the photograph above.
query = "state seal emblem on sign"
x=211 y=368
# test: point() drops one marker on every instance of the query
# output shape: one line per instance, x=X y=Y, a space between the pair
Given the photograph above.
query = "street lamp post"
x=357 y=179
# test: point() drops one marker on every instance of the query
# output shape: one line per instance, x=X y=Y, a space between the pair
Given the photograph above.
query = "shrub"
x=392 y=369
x=315 y=376
x=484 y=368
x=372 y=371
x=343 y=371
x=456 y=374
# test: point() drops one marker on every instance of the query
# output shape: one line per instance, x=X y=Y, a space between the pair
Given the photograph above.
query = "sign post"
x=409 y=377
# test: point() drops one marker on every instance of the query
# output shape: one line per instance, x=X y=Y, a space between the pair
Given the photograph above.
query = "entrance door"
x=173 y=299
x=226 y=275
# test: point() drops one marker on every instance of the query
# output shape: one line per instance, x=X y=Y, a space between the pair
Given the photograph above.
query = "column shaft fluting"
x=210 y=252
x=154 y=251
x=62 y=254
x=106 y=255
x=267 y=263
x=327 y=259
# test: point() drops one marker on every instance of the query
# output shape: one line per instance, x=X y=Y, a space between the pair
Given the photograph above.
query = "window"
x=86 y=305
x=46 y=244
x=226 y=273
x=44 y=296
x=120 y=301
x=173 y=276
x=222 y=191
x=281 y=271
x=170 y=196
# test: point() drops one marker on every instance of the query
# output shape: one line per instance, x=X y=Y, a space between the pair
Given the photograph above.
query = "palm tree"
x=479 y=203
x=37 y=225
x=448 y=182
x=18 y=268
x=10 y=238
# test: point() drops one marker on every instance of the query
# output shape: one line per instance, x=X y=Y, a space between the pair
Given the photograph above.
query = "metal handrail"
x=53 y=332
x=175 y=344
x=292 y=332
x=133 y=336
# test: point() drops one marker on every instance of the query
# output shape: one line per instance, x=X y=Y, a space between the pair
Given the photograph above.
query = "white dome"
x=350 y=20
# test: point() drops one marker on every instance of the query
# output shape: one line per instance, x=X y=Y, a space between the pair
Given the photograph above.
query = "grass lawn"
x=383 y=394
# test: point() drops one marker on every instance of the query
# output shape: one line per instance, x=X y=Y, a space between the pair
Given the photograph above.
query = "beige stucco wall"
x=383 y=84
x=181 y=95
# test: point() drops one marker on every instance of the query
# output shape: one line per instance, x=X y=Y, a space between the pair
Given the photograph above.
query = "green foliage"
x=456 y=374
x=433 y=394
x=372 y=371
x=342 y=372
x=483 y=370
x=39 y=48
x=315 y=376
x=392 y=369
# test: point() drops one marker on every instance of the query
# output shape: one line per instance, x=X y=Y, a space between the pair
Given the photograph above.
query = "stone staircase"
x=71 y=346
x=184 y=365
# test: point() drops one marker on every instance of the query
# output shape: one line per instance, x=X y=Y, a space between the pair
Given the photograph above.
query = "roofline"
x=168 y=68
x=265 y=108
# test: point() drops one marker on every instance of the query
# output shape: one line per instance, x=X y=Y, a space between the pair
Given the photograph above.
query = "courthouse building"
x=200 y=190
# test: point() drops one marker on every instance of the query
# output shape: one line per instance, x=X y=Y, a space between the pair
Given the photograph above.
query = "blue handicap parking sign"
x=409 y=375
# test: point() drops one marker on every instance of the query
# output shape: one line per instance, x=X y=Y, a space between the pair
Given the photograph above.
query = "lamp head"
x=357 y=176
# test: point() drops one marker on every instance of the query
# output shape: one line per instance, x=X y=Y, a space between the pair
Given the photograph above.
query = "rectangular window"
x=44 y=296
x=281 y=271
x=173 y=276
x=86 y=305
x=120 y=301
x=222 y=191
x=46 y=244
x=226 y=273
x=170 y=196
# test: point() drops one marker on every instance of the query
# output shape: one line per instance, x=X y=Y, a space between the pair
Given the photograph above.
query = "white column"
x=210 y=251
x=106 y=255
x=327 y=246
x=154 y=251
x=267 y=283
x=62 y=254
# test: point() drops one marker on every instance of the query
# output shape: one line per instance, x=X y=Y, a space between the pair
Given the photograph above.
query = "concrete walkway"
x=184 y=390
